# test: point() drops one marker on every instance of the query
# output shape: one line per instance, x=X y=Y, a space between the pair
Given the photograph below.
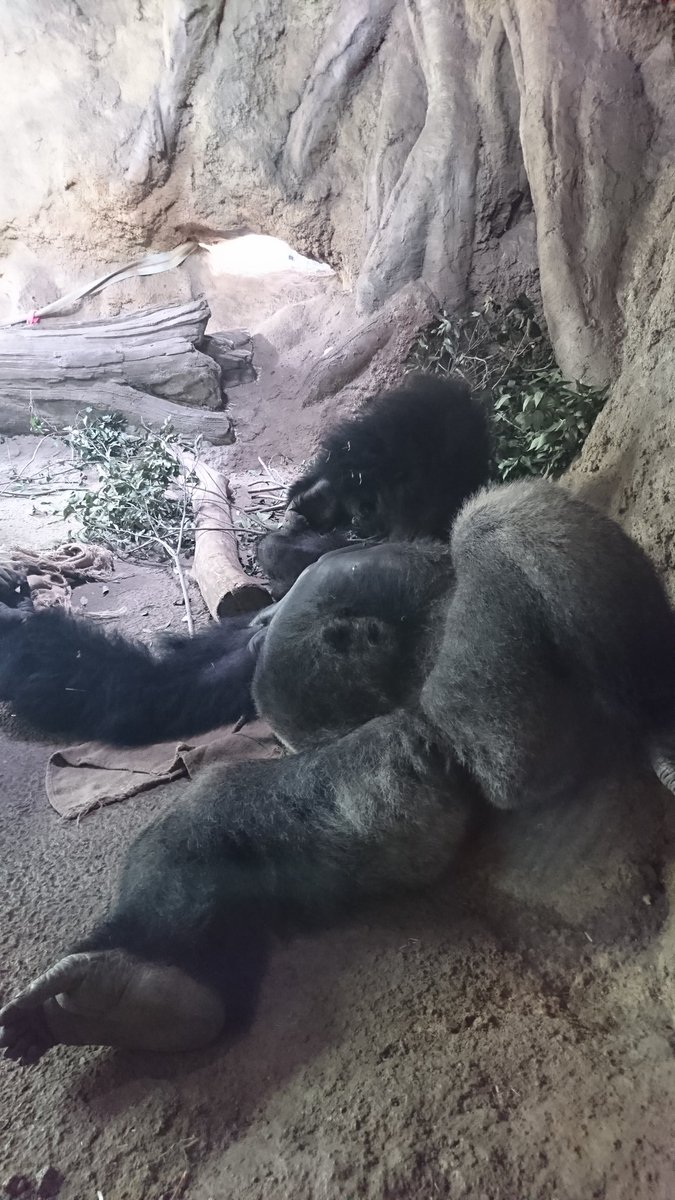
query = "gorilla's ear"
x=318 y=504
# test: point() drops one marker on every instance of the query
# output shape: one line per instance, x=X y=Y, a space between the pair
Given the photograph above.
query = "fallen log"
x=63 y=405
x=150 y=365
x=222 y=581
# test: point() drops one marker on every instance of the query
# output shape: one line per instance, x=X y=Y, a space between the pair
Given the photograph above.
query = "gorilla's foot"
x=108 y=998
x=662 y=757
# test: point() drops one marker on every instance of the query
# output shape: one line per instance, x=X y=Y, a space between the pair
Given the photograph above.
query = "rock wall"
x=475 y=146
x=378 y=134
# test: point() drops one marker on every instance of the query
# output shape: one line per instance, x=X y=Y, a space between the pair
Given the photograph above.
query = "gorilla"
x=400 y=469
x=415 y=683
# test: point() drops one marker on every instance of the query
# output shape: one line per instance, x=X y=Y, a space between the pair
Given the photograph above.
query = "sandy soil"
x=509 y=1037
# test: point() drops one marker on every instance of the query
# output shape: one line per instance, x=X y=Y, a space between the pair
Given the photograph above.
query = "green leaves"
x=539 y=420
x=139 y=497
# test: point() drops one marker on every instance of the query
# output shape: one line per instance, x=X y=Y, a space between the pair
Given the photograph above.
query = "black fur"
x=547 y=629
x=67 y=676
x=358 y=630
x=284 y=554
x=401 y=468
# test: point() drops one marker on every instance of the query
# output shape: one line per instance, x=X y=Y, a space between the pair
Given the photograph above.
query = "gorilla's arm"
x=68 y=677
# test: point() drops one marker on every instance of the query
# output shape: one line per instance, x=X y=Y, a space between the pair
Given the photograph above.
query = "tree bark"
x=225 y=586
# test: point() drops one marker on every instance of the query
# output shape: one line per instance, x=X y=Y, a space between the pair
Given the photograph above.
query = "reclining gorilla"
x=410 y=460
x=417 y=683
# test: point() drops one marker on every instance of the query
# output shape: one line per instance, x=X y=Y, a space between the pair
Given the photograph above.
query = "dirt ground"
x=508 y=1037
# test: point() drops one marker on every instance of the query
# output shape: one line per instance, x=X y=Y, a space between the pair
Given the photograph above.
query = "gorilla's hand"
x=15 y=599
x=260 y=622
x=13 y=586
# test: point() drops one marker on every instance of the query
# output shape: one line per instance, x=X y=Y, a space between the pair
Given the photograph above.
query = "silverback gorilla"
x=415 y=682
x=409 y=460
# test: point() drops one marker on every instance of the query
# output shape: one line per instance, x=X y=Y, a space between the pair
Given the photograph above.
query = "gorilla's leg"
x=66 y=676
x=352 y=639
x=558 y=628
x=258 y=847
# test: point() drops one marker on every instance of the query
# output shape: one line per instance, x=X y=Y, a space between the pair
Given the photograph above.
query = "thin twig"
x=31 y=459
x=173 y=555
x=29 y=494
x=179 y=569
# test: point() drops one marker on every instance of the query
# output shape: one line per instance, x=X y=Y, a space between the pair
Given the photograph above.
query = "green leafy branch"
x=140 y=501
x=539 y=419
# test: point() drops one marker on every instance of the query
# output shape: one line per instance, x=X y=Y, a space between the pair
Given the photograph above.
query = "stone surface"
x=475 y=146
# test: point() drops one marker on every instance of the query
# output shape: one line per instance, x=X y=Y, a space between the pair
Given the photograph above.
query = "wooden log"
x=62 y=405
x=225 y=586
x=170 y=369
x=137 y=363
x=187 y=320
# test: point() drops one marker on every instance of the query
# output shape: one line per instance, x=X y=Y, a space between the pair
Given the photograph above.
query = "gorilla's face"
x=319 y=506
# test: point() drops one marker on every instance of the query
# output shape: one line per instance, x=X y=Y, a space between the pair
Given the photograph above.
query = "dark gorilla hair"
x=68 y=677
x=358 y=628
x=490 y=669
x=284 y=554
x=400 y=469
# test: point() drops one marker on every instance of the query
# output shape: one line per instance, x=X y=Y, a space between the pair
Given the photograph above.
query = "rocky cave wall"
x=481 y=147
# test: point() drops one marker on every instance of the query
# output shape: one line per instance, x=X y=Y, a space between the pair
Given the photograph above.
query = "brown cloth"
x=86 y=777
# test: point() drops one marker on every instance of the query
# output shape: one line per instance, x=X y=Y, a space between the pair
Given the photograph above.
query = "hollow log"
x=225 y=586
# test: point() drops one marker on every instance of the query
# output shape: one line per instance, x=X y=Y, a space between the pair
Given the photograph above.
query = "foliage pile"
x=539 y=419
x=140 y=500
